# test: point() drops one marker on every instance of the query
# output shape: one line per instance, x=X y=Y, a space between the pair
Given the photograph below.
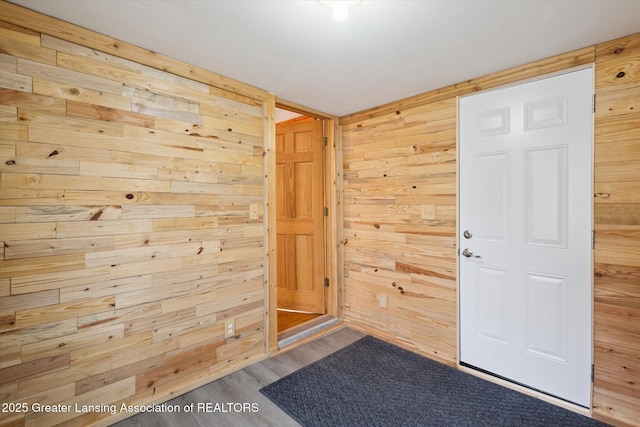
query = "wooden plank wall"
x=617 y=225
x=400 y=219
x=132 y=224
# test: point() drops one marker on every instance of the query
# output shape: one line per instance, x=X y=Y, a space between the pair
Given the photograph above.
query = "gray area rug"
x=373 y=383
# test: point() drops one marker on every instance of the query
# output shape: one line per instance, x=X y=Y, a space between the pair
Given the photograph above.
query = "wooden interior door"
x=300 y=215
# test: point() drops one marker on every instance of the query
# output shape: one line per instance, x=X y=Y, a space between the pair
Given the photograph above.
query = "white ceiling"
x=384 y=51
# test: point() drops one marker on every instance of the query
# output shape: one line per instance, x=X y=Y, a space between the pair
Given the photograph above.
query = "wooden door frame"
x=334 y=252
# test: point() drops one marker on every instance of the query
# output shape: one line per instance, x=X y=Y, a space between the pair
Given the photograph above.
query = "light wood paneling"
x=400 y=219
x=616 y=397
x=132 y=218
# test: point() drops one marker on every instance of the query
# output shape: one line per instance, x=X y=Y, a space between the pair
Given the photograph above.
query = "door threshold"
x=524 y=389
x=306 y=329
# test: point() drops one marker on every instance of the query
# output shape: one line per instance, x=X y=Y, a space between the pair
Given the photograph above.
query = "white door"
x=525 y=233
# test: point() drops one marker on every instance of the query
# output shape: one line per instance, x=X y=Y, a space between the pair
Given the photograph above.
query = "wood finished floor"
x=290 y=319
x=243 y=387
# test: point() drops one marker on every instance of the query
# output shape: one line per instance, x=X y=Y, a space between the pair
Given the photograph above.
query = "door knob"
x=469 y=253
x=467 y=234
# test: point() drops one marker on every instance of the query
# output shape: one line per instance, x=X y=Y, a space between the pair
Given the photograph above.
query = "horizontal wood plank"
x=74 y=92
x=33 y=368
x=33 y=101
x=108 y=114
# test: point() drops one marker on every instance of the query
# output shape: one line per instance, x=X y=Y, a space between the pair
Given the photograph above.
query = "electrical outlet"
x=230 y=328
x=382 y=300
x=428 y=212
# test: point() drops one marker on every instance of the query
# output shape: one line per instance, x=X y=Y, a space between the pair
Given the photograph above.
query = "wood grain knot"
x=621 y=74
x=96 y=215
x=129 y=196
x=618 y=51
x=10 y=162
x=53 y=153
x=602 y=195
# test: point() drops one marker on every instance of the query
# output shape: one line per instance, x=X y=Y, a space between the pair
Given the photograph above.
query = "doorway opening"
x=303 y=300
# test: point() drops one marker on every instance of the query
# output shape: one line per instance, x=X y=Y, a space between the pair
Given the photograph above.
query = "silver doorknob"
x=469 y=253
x=467 y=234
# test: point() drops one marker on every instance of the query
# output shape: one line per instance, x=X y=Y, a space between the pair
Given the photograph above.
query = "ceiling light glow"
x=340 y=7
x=340 y=10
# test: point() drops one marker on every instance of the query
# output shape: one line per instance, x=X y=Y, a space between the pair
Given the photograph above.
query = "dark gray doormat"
x=373 y=383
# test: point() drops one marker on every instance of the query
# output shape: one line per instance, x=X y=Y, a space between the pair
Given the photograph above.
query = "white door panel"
x=525 y=196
